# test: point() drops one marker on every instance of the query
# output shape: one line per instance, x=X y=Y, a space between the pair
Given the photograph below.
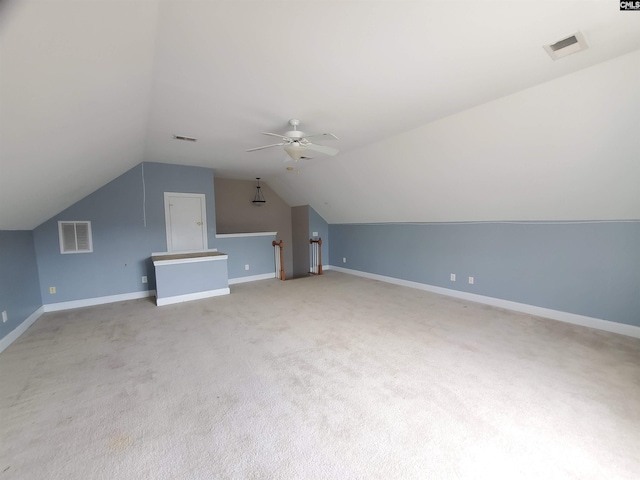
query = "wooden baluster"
x=281 y=245
x=276 y=258
x=316 y=256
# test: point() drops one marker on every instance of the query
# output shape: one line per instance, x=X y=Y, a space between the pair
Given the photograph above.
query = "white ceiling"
x=90 y=89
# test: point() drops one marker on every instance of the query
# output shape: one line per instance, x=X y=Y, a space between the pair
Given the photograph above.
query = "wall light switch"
x=52 y=290
x=246 y=267
x=315 y=234
x=471 y=280
x=453 y=277
x=144 y=279
x=4 y=316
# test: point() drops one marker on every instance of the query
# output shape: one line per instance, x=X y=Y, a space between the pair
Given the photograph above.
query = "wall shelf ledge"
x=250 y=234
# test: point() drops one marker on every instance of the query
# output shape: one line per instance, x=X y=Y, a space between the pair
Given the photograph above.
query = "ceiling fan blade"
x=275 y=135
x=266 y=146
x=328 y=136
x=321 y=149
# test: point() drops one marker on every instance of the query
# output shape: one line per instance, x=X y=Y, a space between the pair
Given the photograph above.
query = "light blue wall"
x=318 y=224
x=122 y=243
x=257 y=252
x=187 y=278
x=19 y=288
x=590 y=269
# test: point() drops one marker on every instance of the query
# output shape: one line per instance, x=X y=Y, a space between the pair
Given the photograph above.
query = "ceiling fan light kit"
x=295 y=142
x=294 y=150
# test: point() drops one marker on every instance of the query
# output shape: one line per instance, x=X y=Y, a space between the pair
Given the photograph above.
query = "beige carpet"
x=332 y=377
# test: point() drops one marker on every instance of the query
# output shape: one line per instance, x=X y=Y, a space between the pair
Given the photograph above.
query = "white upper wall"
x=88 y=89
x=75 y=87
x=568 y=149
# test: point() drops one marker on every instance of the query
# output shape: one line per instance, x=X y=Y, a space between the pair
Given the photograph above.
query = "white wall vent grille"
x=75 y=237
x=573 y=44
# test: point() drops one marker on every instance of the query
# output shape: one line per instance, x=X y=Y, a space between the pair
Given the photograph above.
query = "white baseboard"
x=13 y=335
x=191 y=296
x=327 y=267
x=89 y=302
x=591 y=322
x=252 y=278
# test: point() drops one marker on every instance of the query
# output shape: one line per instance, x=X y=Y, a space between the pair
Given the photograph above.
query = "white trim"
x=327 y=267
x=494 y=222
x=155 y=254
x=159 y=263
x=89 y=302
x=167 y=215
x=251 y=278
x=591 y=322
x=252 y=234
x=191 y=296
x=13 y=335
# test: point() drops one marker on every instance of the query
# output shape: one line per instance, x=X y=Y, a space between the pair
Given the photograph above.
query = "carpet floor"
x=332 y=377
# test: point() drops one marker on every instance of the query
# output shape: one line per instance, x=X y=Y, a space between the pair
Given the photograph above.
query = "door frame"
x=167 y=216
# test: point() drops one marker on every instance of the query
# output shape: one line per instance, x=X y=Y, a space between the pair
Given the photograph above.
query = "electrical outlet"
x=4 y=316
x=453 y=277
x=471 y=280
x=52 y=290
x=315 y=234
x=344 y=259
x=246 y=267
x=144 y=279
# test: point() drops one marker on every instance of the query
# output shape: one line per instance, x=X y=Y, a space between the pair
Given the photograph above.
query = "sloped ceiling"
x=446 y=111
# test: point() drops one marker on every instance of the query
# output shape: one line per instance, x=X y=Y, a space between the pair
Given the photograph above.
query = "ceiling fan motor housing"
x=294 y=134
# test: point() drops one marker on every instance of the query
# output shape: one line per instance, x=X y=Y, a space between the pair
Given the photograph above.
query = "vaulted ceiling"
x=445 y=111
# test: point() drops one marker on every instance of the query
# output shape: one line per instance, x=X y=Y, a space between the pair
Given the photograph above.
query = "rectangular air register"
x=186 y=139
x=573 y=44
x=75 y=237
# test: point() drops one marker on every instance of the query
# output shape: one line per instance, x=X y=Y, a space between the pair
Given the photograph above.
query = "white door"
x=186 y=220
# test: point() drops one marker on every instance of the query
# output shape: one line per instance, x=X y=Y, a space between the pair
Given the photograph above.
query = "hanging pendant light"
x=258 y=198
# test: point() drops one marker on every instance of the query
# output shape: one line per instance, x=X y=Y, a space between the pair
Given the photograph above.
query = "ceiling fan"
x=296 y=142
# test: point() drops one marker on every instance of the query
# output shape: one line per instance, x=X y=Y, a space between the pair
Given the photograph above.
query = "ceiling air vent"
x=186 y=139
x=573 y=44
